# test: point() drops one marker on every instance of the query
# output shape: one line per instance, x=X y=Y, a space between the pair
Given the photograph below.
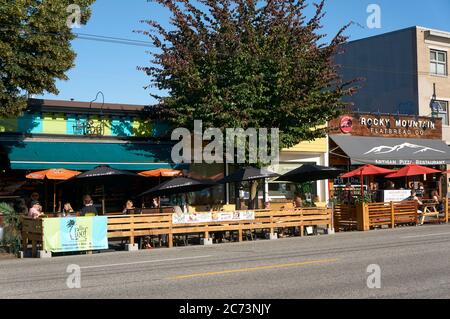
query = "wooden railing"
x=392 y=214
x=32 y=230
x=132 y=226
x=345 y=217
x=366 y=216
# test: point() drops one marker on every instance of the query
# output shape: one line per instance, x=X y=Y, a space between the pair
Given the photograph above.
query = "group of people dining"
x=35 y=209
x=129 y=207
x=435 y=201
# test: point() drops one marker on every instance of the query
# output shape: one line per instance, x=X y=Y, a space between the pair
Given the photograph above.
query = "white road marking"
x=427 y=235
x=144 y=262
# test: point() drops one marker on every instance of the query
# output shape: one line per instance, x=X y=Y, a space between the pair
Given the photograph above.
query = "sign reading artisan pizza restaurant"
x=387 y=126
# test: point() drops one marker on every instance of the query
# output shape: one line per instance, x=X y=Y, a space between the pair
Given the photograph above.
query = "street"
x=414 y=263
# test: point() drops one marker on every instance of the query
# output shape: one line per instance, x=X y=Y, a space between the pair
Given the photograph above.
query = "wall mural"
x=67 y=124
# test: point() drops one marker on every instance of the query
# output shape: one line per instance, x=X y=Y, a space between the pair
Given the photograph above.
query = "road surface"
x=414 y=262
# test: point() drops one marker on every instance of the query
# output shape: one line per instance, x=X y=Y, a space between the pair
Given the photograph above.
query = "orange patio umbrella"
x=53 y=174
x=162 y=172
x=367 y=170
x=59 y=174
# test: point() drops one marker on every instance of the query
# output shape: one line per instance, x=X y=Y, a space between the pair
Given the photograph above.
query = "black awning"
x=393 y=151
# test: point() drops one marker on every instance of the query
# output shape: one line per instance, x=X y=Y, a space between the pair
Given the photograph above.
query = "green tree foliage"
x=244 y=63
x=35 y=48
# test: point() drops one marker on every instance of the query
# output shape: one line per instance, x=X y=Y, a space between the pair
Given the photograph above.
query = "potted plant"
x=11 y=228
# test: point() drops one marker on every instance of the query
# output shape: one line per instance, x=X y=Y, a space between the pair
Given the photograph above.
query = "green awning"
x=31 y=155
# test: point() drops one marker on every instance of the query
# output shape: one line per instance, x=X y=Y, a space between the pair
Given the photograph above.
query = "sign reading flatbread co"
x=388 y=126
x=207 y=217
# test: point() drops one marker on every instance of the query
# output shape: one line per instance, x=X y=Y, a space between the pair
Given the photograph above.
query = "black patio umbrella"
x=178 y=185
x=104 y=175
x=104 y=171
x=310 y=172
x=247 y=174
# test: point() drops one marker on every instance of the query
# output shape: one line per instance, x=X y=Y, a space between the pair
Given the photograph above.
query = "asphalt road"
x=414 y=263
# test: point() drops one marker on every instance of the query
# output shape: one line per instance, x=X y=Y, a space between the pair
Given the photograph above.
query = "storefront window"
x=442 y=111
x=285 y=191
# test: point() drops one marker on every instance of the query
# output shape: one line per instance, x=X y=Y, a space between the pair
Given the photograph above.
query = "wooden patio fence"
x=32 y=231
x=133 y=226
x=366 y=216
x=345 y=218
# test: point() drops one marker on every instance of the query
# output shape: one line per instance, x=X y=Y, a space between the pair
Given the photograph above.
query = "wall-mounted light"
x=434 y=105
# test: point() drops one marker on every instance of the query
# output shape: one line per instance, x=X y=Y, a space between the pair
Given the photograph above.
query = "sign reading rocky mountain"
x=373 y=125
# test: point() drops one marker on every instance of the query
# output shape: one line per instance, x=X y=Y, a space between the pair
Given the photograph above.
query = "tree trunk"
x=253 y=194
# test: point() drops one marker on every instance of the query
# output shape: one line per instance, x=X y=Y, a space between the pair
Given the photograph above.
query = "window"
x=441 y=109
x=438 y=62
x=282 y=191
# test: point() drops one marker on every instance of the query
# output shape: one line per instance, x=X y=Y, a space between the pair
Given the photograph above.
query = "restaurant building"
x=404 y=72
x=79 y=136
x=387 y=140
x=82 y=135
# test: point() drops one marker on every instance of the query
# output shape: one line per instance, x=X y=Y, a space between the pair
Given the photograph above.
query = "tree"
x=35 y=48
x=244 y=63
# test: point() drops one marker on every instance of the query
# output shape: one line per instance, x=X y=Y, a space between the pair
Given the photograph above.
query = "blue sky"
x=111 y=68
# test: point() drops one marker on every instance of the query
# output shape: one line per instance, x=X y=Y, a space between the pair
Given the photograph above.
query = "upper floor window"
x=441 y=110
x=438 y=62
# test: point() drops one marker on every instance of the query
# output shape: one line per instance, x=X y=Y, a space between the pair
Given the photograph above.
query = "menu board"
x=396 y=195
x=207 y=217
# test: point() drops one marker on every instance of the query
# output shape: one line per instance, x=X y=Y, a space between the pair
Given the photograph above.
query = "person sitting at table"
x=297 y=202
x=67 y=210
x=34 y=197
x=35 y=210
x=155 y=203
x=88 y=208
x=129 y=207
x=415 y=197
x=348 y=194
x=437 y=200
x=435 y=197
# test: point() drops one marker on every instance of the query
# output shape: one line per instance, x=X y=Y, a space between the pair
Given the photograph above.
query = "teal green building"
x=83 y=135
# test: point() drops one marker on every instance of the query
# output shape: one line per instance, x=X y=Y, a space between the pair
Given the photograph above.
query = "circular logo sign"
x=346 y=124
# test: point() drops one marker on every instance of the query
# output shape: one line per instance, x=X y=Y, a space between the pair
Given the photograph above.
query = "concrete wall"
x=388 y=64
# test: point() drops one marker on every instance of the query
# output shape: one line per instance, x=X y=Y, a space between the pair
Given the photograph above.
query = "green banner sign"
x=75 y=233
